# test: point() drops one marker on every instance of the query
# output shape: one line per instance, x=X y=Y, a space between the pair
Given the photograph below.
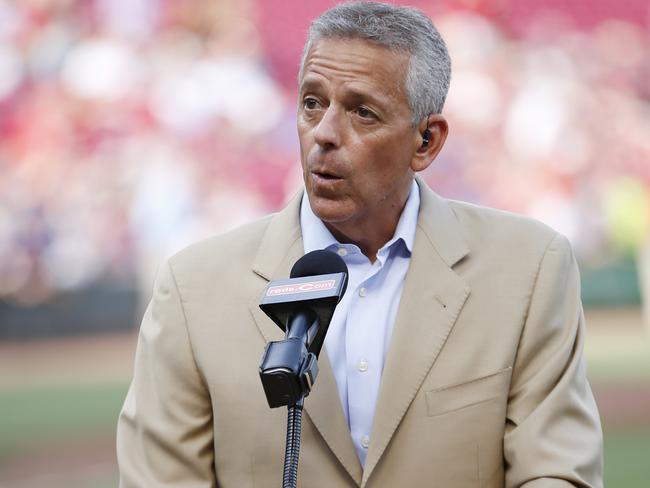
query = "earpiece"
x=426 y=138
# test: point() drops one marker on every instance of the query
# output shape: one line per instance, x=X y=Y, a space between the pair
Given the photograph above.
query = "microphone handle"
x=299 y=325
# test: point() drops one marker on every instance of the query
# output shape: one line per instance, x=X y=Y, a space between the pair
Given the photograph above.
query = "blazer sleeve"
x=164 y=434
x=553 y=435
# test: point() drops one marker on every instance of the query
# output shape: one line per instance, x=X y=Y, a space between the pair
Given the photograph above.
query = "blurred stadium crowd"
x=129 y=128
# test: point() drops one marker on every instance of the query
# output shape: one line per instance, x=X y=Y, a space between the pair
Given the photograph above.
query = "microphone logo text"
x=300 y=288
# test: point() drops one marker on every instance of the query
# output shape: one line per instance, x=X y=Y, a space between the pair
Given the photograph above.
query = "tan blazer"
x=484 y=383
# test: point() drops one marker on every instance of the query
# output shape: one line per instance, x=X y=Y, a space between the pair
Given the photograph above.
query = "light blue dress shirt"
x=359 y=335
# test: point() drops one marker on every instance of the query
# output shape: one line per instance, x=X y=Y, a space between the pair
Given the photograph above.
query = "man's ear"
x=430 y=137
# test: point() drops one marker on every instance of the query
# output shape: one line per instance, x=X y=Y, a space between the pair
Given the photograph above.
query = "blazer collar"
x=280 y=242
x=440 y=225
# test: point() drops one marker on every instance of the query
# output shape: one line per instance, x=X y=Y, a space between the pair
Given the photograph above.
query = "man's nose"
x=327 y=133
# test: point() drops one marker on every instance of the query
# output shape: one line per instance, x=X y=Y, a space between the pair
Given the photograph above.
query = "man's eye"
x=364 y=113
x=310 y=103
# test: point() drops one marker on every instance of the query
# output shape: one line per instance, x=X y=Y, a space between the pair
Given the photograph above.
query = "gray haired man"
x=453 y=360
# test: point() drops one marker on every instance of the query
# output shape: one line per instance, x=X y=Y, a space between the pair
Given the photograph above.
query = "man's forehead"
x=355 y=52
x=353 y=60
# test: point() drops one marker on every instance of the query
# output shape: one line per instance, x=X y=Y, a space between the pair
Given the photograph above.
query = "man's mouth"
x=325 y=175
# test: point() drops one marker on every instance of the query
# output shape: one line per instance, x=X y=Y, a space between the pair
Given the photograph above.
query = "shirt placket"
x=363 y=351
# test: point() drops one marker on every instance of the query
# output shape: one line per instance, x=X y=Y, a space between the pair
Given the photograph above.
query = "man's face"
x=354 y=125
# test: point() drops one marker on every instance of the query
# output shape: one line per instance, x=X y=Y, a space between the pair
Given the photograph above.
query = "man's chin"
x=330 y=210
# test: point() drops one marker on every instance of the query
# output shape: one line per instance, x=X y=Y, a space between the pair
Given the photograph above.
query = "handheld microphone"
x=303 y=307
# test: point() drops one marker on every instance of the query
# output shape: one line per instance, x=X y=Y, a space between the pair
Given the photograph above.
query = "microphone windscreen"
x=318 y=263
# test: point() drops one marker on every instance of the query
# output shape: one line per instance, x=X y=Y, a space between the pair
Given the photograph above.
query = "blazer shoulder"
x=485 y=227
x=234 y=250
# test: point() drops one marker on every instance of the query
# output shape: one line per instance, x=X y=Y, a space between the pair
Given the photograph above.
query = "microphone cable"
x=292 y=447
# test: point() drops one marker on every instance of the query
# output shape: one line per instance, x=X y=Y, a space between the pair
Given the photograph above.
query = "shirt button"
x=342 y=251
x=365 y=441
x=362 y=366
x=362 y=292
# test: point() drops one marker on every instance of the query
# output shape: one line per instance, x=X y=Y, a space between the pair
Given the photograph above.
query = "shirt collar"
x=316 y=236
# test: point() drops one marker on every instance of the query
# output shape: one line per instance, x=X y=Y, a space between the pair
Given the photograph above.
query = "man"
x=455 y=357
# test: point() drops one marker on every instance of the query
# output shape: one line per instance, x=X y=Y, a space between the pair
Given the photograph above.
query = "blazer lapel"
x=432 y=299
x=281 y=247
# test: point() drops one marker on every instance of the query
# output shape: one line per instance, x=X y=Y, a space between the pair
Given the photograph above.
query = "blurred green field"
x=59 y=436
x=627 y=458
x=57 y=421
x=50 y=415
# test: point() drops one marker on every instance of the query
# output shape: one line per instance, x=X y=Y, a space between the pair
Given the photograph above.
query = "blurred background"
x=129 y=128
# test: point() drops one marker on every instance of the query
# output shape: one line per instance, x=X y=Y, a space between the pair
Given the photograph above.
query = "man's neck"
x=372 y=232
x=370 y=235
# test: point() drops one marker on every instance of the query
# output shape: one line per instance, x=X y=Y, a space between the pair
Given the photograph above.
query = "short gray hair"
x=403 y=29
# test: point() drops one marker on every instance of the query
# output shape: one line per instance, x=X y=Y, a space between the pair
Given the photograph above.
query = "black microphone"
x=303 y=307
